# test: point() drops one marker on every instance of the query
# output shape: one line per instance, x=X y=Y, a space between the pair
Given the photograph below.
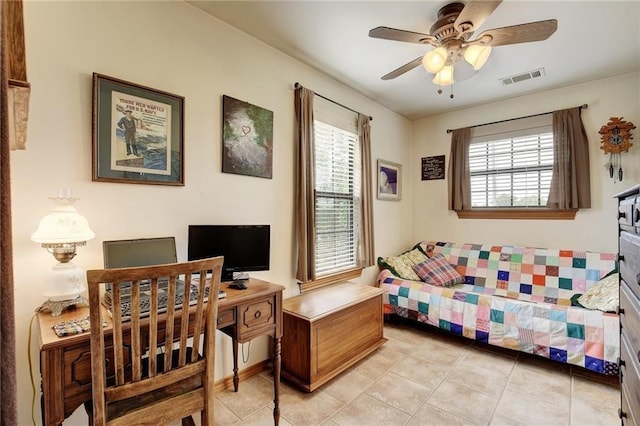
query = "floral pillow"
x=437 y=271
x=603 y=295
x=402 y=266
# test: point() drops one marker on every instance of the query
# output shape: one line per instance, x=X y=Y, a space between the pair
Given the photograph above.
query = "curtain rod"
x=298 y=85
x=583 y=106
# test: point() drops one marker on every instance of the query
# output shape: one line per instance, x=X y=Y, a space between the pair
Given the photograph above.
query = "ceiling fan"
x=451 y=33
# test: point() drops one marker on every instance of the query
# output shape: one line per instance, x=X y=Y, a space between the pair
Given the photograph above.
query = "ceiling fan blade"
x=400 y=35
x=474 y=14
x=523 y=33
x=403 y=69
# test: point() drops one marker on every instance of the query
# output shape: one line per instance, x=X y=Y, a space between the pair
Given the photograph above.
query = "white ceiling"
x=595 y=39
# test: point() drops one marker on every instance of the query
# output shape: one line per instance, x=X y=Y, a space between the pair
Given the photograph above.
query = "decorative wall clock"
x=616 y=139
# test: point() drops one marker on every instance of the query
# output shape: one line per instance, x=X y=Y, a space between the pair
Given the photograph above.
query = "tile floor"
x=423 y=377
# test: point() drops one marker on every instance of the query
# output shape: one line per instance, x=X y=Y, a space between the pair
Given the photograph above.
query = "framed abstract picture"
x=247 y=139
x=138 y=133
x=389 y=181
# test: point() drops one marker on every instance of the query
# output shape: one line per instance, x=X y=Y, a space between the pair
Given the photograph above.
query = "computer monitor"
x=245 y=248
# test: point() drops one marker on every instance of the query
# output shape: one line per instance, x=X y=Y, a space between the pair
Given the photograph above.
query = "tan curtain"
x=305 y=183
x=8 y=385
x=366 y=246
x=18 y=112
x=571 y=179
x=19 y=87
x=459 y=180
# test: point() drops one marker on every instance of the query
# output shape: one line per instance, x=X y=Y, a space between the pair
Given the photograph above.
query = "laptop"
x=143 y=252
x=139 y=252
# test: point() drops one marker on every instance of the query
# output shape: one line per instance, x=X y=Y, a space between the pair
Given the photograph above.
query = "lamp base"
x=57 y=306
x=65 y=282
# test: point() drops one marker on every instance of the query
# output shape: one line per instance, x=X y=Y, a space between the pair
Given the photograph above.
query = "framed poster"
x=247 y=139
x=389 y=181
x=138 y=133
x=433 y=167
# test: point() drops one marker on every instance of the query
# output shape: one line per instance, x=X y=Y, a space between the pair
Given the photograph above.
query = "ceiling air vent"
x=522 y=77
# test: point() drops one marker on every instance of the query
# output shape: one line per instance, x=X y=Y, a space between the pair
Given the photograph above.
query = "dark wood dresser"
x=629 y=256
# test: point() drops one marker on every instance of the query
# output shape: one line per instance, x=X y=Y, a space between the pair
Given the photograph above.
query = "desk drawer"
x=255 y=316
x=226 y=317
x=77 y=372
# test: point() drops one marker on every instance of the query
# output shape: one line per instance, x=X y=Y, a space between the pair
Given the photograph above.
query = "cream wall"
x=173 y=47
x=593 y=229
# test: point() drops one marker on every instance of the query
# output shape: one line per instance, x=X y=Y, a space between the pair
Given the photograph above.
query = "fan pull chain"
x=440 y=91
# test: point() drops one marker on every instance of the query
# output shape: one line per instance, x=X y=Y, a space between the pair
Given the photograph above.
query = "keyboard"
x=145 y=298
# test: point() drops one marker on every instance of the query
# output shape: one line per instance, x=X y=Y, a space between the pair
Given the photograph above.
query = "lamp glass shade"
x=444 y=77
x=63 y=225
x=434 y=60
x=477 y=55
x=60 y=232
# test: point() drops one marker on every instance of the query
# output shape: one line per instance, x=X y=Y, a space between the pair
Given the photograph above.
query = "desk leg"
x=277 y=349
x=52 y=401
x=236 y=378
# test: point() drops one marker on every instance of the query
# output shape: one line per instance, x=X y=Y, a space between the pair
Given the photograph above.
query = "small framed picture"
x=389 y=180
x=138 y=133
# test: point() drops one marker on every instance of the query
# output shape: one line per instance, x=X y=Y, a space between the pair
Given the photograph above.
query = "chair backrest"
x=150 y=353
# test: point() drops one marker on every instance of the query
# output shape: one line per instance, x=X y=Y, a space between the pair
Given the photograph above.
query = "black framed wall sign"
x=433 y=167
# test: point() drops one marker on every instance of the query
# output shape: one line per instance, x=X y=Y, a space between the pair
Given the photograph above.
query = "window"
x=333 y=208
x=535 y=167
x=337 y=188
x=511 y=171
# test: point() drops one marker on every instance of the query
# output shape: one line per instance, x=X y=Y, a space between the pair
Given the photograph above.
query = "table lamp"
x=60 y=232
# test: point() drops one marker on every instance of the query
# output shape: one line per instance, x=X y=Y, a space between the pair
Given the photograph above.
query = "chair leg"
x=188 y=421
x=88 y=408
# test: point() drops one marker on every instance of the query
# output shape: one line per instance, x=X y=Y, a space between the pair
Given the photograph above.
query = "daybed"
x=513 y=297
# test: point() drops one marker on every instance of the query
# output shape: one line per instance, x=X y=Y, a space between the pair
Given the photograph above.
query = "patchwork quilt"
x=517 y=298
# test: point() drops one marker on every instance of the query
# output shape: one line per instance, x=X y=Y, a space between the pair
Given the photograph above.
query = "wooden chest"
x=326 y=331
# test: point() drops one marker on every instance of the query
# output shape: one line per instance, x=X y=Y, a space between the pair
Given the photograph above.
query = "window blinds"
x=337 y=187
x=511 y=163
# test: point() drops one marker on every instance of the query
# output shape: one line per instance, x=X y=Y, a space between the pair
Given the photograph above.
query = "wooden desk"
x=65 y=362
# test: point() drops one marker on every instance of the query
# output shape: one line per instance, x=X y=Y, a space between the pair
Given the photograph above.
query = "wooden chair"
x=156 y=373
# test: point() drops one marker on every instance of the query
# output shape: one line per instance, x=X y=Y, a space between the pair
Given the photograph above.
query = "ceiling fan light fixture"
x=434 y=60
x=444 y=77
x=477 y=55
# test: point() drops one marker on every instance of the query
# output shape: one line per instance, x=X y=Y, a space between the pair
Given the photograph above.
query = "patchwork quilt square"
x=551 y=271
